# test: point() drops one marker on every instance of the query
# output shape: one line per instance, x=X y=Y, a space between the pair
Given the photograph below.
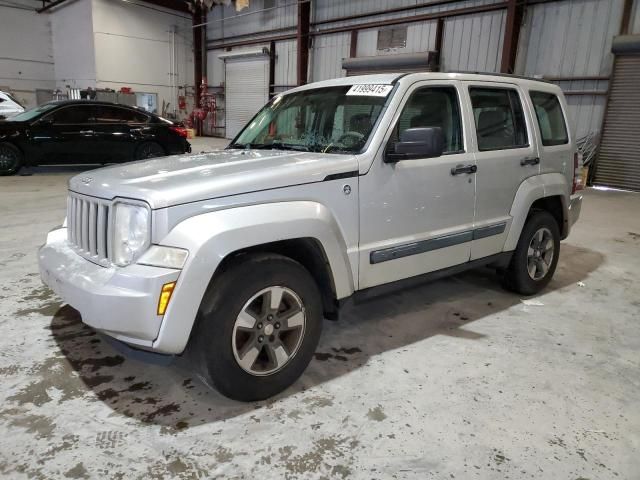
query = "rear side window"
x=550 y=118
x=499 y=118
x=109 y=114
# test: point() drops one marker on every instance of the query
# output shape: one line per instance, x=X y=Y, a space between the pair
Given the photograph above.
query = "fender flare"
x=530 y=190
x=211 y=237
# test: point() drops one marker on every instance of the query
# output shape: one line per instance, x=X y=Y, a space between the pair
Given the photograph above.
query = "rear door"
x=506 y=154
x=117 y=131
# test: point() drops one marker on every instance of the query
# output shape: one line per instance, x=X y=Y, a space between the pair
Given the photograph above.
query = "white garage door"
x=247 y=90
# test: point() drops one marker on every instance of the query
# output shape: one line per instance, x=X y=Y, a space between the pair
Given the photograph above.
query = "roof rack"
x=498 y=74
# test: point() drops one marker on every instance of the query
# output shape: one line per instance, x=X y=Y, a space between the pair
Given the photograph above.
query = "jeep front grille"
x=88 y=227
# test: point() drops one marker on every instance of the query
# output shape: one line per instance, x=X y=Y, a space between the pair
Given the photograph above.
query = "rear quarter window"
x=550 y=118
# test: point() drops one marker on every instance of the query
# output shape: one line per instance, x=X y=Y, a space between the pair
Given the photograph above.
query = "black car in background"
x=84 y=131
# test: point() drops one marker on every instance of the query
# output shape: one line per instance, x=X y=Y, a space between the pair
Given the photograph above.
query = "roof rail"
x=498 y=74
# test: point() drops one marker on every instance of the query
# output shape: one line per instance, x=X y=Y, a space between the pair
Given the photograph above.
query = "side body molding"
x=530 y=190
x=210 y=237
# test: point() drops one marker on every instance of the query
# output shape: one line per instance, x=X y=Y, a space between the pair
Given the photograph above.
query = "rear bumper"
x=120 y=302
x=575 y=205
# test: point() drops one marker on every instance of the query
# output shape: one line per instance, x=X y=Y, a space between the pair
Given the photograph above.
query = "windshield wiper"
x=280 y=146
x=270 y=146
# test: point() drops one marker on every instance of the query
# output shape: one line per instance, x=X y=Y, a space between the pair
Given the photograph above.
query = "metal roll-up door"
x=246 y=90
x=618 y=163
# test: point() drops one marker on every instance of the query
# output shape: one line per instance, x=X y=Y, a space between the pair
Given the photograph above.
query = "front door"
x=65 y=136
x=416 y=216
x=506 y=155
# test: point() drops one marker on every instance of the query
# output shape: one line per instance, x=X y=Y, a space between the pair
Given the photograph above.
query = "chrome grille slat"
x=85 y=226
x=93 y=226
x=101 y=230
x=88 y=227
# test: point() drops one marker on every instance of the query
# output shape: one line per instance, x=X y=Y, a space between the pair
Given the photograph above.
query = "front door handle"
x=459 y=169
x=530 y=161
x=86 y=132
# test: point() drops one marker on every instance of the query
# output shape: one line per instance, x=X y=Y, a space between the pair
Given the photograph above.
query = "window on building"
x=550 y=118
x=395 y=37
x=433 y=107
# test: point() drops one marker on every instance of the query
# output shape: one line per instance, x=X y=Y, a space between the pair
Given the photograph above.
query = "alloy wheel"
x=268 y=331
x=8 y=159
x=150 y=150
x=540 y=253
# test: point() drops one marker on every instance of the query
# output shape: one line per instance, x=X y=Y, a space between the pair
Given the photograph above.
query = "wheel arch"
x=547 y=192
x=307 y=251
x=302 y=230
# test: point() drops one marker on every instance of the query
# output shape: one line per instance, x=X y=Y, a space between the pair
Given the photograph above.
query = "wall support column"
x=439 y=42
x=302 y=38
x=515 y=10
x=199 y=17
x=353 y=44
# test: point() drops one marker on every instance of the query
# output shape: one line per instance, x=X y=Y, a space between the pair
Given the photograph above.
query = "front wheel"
x=10 y=159
x=536 y=256
x=258 y=326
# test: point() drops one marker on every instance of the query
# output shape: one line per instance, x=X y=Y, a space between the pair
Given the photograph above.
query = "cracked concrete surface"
x=454 y=379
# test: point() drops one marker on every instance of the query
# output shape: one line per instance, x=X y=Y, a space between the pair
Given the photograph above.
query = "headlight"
x=131 y=231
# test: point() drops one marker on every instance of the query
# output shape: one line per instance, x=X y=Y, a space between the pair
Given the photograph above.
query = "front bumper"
x=120 y=302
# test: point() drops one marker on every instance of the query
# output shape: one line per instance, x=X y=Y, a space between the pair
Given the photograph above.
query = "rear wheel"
x=10 y=159
x=149 y=150
x=536 y=256
x=258 y=326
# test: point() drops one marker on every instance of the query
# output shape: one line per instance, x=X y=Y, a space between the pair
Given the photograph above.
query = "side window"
x=108 y=114
x=73 y=115
x=433 y=107
x=499 y=118
x=550 y=118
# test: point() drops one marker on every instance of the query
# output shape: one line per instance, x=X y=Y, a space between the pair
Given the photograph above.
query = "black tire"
x=518 y=277
x=11 y=159
x=214 y=341
x=149 y=150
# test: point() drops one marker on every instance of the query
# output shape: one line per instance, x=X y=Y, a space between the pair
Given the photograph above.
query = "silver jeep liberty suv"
x=333 y=189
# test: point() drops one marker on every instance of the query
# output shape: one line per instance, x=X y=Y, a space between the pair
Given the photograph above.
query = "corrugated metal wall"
x=223 y=21
x=566 y=38
x=572 y=38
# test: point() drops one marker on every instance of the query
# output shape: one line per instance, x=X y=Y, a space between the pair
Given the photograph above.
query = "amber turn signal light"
x=165 y=296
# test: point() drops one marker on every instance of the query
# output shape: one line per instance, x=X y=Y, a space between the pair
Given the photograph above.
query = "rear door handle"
x=530 y=161
x=86 y=132
x=459 y=169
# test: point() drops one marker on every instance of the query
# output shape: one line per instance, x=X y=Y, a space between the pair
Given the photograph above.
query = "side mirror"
x=421 y=142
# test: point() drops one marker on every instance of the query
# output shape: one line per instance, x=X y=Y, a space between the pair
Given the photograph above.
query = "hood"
x=168 y=181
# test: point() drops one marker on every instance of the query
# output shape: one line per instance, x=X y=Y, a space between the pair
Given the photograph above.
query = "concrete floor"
x=454 y=379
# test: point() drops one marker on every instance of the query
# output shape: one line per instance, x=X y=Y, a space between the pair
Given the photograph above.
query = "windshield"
x=14 y=100
x=327 y=120
x=33 y=113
